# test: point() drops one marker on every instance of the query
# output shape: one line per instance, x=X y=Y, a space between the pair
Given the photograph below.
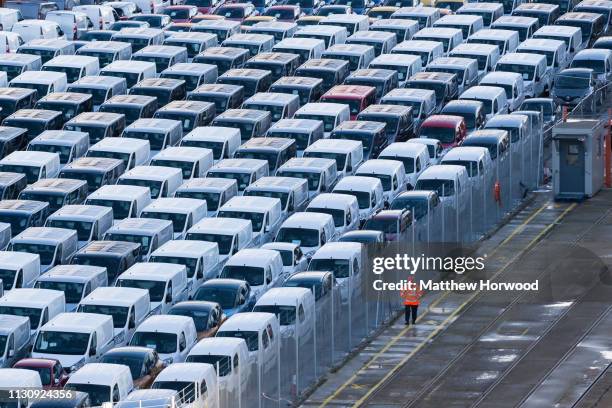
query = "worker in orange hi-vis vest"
x=412 y=297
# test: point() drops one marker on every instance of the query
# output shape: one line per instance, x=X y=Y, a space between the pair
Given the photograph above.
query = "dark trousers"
x=410 y=310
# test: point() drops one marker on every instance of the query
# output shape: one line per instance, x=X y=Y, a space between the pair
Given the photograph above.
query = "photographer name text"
x=429 y=285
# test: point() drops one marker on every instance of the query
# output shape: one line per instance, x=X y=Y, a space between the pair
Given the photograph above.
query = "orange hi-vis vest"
x=411 y=297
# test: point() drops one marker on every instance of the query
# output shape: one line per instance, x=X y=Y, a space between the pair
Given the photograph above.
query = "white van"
x=38 y=29
x=264 y=213
x=201 y=259
x=391 y=174
x=344 y=260
x=449 y=37
x=183 y=212
x=54 y=245
x=128 y=307
x=126 y=201
x=321 y=174
x=89 y=221
x=467 y=23
x=368 y=190
x=70 y=145
x=532 y=67
x=308 y=229
x=75 y=281
x=149 y=233
x=306 y=48
x=197 y=383
x=555 y=51
x=172 y=336
x=223 y=141
x=193 y=161
x=231 y=234
x=101 y=16
x=133 y=152
x=332 y=114
x=39 y=165
x=166 y=283
x=43 y=82
x=15 y=332
x=342 y=207
x=292 y=191
x=263 y=348
x=229 y=356
x=506 y=40
x=160 y=180
x=330 y=34
x=570 y=35
x=20 y=378
x=450 y=182
x=105 y=383
x=348 y=154
x=352 y=22
x=75 y=339
x=294 y=309
x=74 y=66
x=493 y=99
x=8 y=18
x=513 y=84
x=132 y=71
x=466 y=70
x=215 y=191
x=415 y=158
x=40 y=305
x=291 y=255
x=477 y=161
x=9 y=41
x=262 y=269
x=160 y=133
x=73 y=23
x=425 y=49
x=19 y=270
x=358 y=56
x=487 y=55
x=244 y=171
x=406 y=65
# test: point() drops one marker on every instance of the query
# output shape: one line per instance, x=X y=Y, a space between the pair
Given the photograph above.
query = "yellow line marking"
x=359 y=402
x=402 y=333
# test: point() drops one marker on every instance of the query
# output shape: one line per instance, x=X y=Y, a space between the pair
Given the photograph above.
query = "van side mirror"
x=132 y=324
x=349 y=167
x=169 y=298
x=241 y=300
x=92 y=351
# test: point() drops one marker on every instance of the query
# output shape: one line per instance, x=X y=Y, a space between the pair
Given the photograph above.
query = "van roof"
x=77 y=322
x=250 y=204
x=299 y=43
x=81 y=212
x=471 y=153
x=29 y=158
x=540 y=44
x=208 y=184
x=332 y=200
x=396 y=59
x=410 y=94
x=15 y=93
x=8 y=323
x=154 y=125
x=94 y=163
x=131 y=66
x=229 y=24
x=418 y=11
x=480 y=91
x=451 y=121
x=19 y=377
x=441 y=171
x=131 y=99
x=243 y=115
x=99 y=82
x=226 y=346
x=451 y=61
x=286 y=296
x=104 y=46
x=189 y=68
x=267 y=143
x=186 y=248
x=65 y=96
x=500 y=77
x=159 y=51
x=39 y=77
x=186 y=372
x=139 y=226
x=191 y=35
x=245 y=73
x=371 y=36
x=213 y=133
x=248 y=38
x=247 y=321
x=298 y=81
x=338 y=250
x=10 y=259
x=298 y=163
x=544 y=7
x=100 y=374
x=513 y=119
x=8 y=133
x=183 y=153
x=296 y=125
x=117 y=144
x=274 y=57
x=490 y=33
x=218 y=89
x=72 y=273
x=347 y=49
x=229 y=52
x=33 y=297
x=336 y=145
x=379 y=166
x=165 y=323
x=479 y=6
x=253 y=257
x=474 y=48
x=35 y=114
x=56 y=185
x=393 y=23
x=307 y=220
x=158 y=173
x=18 y=59
x=71 y=61
x=8 y=178
x=432 y=76
x=115 y=295
x=96 y=118
x=515 y=21
x=557 y=30
x=522 y=58
x=350 y=91
x=109 y=247
x=276 y=183
x=25 y=206
x=579 y=15
x=119 y=192
x=153 y=271
x=437 y=32
x=272 y=98
x=322 y=108
x=49 y=235
x=592 y=54
x=175 y=205
x=168 y=83
x=221 y=225
x=386 y=110
x=418 y=45
x=359 y=126
x=182 y=106
x=46 y=43
x=323 y=63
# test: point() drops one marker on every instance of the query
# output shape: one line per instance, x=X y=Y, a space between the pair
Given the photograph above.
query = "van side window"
x=271 y=332
x=182 y=342
x=301 y=314
x=115 y=393
x=356 y=268
x=203 y=388
x=480 y=167
x=418 y=164
x=236 y=361
x=94 y=342
x=265 y=340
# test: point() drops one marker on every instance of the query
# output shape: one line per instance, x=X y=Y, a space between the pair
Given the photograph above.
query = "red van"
x=450 y=130
x=357 y=97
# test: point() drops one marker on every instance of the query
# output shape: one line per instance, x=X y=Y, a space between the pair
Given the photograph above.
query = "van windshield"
x=73 y=291
x=119 y=313
x=250 y=337
x=223 y=64
x=212 y=199
x=161 y=63
x=18 y=221
x=596 y=65
x=513 y=132
x=163 y=343
x=301 y=139
x=224 y=241
x=329 y=121
x=305 y=237
x=55 y=200
x=275 y=111
x=256 y=218
x=131 y=78
x=443 y=134
x=8 y=106
x=11 y=70
x=155 y=139
x=337 y=215
x=313 y=177
x=470 y=166
x=417 y=205
x=185 y=166
x=340 y=158
x=178 y=220
x=143 y=240
x=125 y=157
x=444 y=188
x=41 y=89
x=251 y=274
x=52 y=342
x=408 y=162
x=121 y=209
x=73 y=74
x=283 y=197
x=270 y=157
x=190 y=263
x=8 y=278
x=96 y=133
x=93 y=179
x=482 y=59
x=216 y=147
x=386 y=225
x=285 y=314
x=111 y=263
x=163 y=95
x=98 y=394
x=226 y=298
x=243 y=179
x=200 y=317
x=98 y=96
x=154 y=186
x=185 y=388
x=366 y=139
x=339 y=267
x=527 y=71
x=134 y=363
x=63 y=151
x=46 y=252
x=363 y=197
x=34 y=127
x=191 y=81
x=223 y=363
x=105 y=58
x=31 y=313
x=132 y=113
x=156 y=289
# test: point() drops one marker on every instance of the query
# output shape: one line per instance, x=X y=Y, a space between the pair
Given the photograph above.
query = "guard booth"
x=578 y=158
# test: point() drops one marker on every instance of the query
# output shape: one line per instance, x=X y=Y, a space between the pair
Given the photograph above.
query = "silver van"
x=215 y=191
x=89 y=221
